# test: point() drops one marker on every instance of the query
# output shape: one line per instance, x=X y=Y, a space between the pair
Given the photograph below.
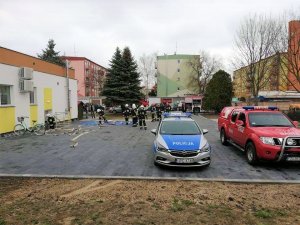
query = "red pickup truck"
x=262 y=132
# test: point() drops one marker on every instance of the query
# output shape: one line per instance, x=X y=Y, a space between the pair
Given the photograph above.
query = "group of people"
x=158 y=109
x=138 y=114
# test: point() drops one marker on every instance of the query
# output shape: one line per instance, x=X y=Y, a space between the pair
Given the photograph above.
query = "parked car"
x=179 y=141
x=262 y=132
x=115 y=109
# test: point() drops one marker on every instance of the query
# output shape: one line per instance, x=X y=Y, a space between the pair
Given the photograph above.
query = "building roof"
x=18 y=59
x=176 y=56
x=80 y=59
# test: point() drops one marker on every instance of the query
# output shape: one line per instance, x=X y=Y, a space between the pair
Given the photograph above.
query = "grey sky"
x=96 y=28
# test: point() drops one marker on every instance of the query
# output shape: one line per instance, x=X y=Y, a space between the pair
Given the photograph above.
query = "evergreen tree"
x=130 y=78
x=50 y=55
x=111 y=88
x=218 y=93
x=122 y=84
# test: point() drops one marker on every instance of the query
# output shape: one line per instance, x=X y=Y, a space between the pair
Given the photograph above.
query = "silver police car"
x=180 y=142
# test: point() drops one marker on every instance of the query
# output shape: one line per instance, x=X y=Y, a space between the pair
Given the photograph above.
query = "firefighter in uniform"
x=126 y=113
x=142 y=117
x=153 y=112
x=168 y=108
x=101 y=116
x=134 y=115
x=158 y=112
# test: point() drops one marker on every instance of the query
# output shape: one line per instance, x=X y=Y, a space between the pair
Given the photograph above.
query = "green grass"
x=2 y=221
x=180 y=204
x=267 y=213
x=263 y=213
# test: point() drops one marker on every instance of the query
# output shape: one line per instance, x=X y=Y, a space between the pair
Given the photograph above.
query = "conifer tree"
x=131 y=78
x=50 y=55
x=218 y=92
x=111 y=87
x=122 y=84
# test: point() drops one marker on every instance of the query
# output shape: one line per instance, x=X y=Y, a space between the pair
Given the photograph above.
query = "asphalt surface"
x=126 y=151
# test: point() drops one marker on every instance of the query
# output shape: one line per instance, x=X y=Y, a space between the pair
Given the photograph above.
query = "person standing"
x=153 y=112
x=158 y=112
x=92 y=108
x=134 y=115
x=168 y=108
x=126 y=113
x=86 y=110
x=142 y=117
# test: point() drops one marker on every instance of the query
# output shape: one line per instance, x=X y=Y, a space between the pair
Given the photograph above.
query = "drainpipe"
x=68 y=86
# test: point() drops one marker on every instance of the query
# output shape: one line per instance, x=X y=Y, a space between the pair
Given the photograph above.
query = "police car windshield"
x=265 y=119
x=179 y=128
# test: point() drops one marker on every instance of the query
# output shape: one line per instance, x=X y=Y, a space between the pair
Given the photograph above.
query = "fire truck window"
x=242 y=117
x=234 y=116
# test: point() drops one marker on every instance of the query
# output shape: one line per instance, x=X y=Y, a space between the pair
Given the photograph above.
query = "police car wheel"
x=251 y=154
x=223 y=137
x=155 y=163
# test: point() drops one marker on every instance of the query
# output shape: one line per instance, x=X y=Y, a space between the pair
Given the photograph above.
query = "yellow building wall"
x=240 y=79
x=47 y=98
x=7 y=119
x=33 y=114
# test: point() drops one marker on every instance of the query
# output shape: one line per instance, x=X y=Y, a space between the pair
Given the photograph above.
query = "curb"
x=243 y=181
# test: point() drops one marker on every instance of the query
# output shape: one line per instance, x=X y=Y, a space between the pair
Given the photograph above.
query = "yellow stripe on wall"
x=47 y=98
x=33 y=114
x=7 y=119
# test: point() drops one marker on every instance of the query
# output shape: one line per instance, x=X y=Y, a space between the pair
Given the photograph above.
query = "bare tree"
x=203 y=66
x=289 y=43
x=254 y=44
x=147 y=70
x=98 y=79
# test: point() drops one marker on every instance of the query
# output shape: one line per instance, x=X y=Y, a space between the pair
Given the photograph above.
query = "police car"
x=180 y=142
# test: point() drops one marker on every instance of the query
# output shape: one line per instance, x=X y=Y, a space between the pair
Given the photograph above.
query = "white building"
x=31 y=87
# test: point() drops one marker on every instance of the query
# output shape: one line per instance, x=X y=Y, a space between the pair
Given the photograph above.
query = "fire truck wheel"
x=223 y=137
x=251 y=154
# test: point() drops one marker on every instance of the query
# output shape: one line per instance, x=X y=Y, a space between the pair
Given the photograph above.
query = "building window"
x=178 y=70
x=32 y=96
x=5 y=95
x=178 y=61
x=178 y=89
x=178 y=78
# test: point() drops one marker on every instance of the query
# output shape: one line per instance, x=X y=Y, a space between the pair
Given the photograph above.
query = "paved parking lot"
x=125 y=151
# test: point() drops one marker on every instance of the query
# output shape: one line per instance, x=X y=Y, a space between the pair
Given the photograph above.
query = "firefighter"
x=158 y=112
x=142 y=117
x=100 y=112
x=168 y=108
x=126 y=113
x=134 y=115
x=153 y=112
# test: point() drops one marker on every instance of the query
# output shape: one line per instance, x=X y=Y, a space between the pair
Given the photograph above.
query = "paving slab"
x=125 y=151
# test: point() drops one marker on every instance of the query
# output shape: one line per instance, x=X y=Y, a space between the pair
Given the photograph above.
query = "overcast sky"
x=93 y=29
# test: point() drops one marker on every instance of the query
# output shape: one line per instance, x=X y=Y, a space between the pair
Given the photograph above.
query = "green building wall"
x=175 y=77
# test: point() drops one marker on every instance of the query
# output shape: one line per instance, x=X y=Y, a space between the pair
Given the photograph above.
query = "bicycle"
x=21 y=127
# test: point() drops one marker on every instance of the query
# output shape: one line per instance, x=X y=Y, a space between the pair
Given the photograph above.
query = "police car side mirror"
x=205 y=131
x=153 y=131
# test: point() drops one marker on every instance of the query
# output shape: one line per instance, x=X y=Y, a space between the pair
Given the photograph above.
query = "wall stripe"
x=33 y=114
x=48 y=98
x=7 y=119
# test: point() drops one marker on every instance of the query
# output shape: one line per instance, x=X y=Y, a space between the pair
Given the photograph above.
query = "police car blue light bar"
x=177 y=114
x=260 y=107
